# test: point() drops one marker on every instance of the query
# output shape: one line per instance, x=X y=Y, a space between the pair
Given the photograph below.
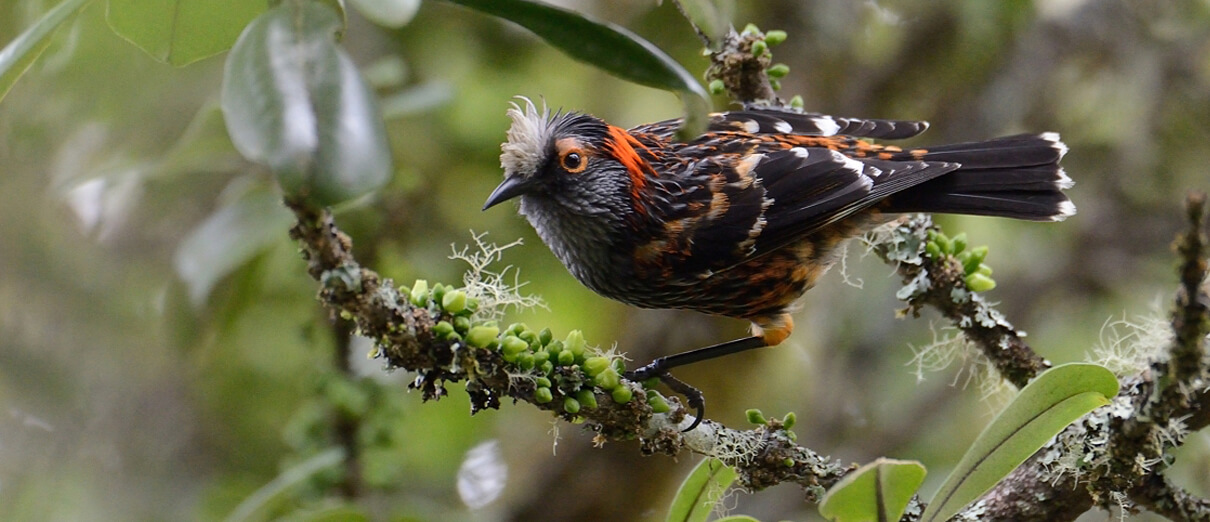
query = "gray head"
x=573 y=188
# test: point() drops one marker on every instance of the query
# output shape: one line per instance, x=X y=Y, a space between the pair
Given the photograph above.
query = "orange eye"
x=573 y=161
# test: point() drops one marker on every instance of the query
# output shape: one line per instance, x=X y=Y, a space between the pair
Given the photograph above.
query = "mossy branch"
x=939 y=280
x=404 y=336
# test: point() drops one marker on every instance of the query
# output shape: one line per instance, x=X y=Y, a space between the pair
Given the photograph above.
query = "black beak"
x=512 y=187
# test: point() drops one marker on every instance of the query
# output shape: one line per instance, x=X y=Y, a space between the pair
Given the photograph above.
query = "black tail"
x=1017 y=177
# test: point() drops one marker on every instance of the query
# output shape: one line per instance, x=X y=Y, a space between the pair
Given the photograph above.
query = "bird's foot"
x=693 y=396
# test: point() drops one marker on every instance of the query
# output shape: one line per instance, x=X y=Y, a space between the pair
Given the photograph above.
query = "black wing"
x=773 y=121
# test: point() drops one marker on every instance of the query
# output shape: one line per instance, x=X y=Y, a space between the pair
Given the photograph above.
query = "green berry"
x=545 y=336
x=454 y=301
x=571 y=405
x=607 y=379
x=778 y=70
x=541 y=356
x=759 y=48
x=621 y=394
x=575 y=343
x=657 y=402
x=587 y=399
x=984 y=269
x=512 y=347
x=438 y=292
x=944 y=243
x=796 y=102
x=593 y=366
x=530 y=337
x=750 y=29
x=932 y=250
x=462 y=324
x=651 y=383
x=546 y=367
x=788 y=462
x=454 y=337
x=420 y=293
x=775 y=37
x=482 y=336
x=959 y=243
x=442 y=329
x=566 y=358
x=975 y=257
x=516 y=329
x=543 y=395
x=776 y=85
x=788 y=421
x=525 y=360
x=755 y=416
x=717 y=87
x=542 y=382
x=980 y=283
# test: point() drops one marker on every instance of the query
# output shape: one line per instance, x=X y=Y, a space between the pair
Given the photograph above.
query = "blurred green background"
x=124 y=398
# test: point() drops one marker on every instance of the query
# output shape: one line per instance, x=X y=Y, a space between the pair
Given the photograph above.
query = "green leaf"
x=609 y=47
x=700 y=491
x=1042 y=409
x=711 y=17
x=294 y=102
x=388 y=13
x=227 y=239
x=20 y=54
x=180 y=32
x=876 y=491
x=251 y=508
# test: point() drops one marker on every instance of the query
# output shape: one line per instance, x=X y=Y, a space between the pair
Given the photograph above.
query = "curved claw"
x=693 y=397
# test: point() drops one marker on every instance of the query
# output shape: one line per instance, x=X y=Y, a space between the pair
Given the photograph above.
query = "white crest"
x=527 y=139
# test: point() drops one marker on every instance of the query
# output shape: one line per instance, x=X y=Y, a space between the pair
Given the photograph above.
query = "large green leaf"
x=228 y=238
x=878 y=491
x=610 y=47
x=180 y=32
x=1042 y=409
x=19 y=54
x=254 y=507
x=700 y=491
x=295 y=102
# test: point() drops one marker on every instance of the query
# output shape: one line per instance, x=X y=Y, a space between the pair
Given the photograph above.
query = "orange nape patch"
x=773 y=329
x=622 y=146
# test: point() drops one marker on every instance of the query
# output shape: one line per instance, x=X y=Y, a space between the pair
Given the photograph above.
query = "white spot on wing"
x=826 y=125
x=855 y=166
x=751 y=126
x=1066 y=210
x=1064 y=182
x=801 y=152
x=1057 y=143
x=783 y=127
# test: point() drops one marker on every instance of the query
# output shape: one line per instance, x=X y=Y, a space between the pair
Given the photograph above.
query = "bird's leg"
x=767 y=332
x=661 y=366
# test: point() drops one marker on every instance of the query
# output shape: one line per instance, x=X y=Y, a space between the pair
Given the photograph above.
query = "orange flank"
x=774 y=329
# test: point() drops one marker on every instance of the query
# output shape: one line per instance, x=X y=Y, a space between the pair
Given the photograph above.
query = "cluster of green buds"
x=440 y=299
x=760 y=48
x=565 y=368
x=976 y=274
x=757 y=417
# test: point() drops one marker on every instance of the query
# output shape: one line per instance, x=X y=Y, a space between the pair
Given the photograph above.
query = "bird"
x=742 y=220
